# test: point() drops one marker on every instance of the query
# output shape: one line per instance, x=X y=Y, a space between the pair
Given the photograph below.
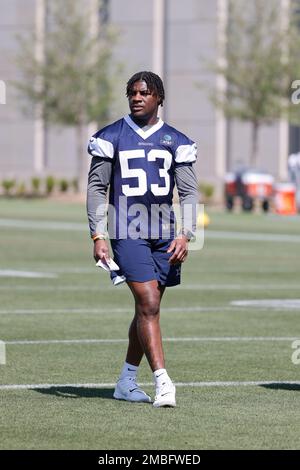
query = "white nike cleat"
x=165 y=395
x=127 y=389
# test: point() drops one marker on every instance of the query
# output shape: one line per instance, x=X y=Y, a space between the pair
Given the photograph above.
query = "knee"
x=148 y=309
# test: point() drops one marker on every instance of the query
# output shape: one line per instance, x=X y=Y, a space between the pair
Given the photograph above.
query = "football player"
x=140 y=158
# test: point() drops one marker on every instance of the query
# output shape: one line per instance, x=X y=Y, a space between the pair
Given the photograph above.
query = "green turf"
x=80 y=303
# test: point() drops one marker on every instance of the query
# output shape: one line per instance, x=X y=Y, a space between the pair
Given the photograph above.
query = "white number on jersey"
x=127 y=172
x=141 y=189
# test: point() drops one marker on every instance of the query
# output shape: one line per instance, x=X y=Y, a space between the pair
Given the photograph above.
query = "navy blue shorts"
x=145 y=260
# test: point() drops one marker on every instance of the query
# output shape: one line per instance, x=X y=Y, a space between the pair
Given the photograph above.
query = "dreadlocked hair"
x=154 y=83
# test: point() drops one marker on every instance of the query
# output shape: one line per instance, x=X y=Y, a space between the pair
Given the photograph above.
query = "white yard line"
x=60 y=311
x=243 y=236
x=146 y=384
x=60 y=270
x=67 y=341
x=83 y=227
x=109 y=310
x=43 y=225
x=2 y=353
x=27 y=274
x=268 y=303
x=179 y=339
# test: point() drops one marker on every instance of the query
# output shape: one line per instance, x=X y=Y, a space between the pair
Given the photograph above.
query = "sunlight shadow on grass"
x=77 y=392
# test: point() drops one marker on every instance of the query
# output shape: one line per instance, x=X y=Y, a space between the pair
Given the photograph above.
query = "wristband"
x=98 y=236
x=188 y=234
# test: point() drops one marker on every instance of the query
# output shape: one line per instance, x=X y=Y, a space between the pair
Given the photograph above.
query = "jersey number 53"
x=141 y=175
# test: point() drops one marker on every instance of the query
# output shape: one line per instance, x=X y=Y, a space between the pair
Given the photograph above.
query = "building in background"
x=172 y=38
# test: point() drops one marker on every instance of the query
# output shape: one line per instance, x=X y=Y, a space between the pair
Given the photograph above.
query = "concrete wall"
x=16 y=132
x=191 y=29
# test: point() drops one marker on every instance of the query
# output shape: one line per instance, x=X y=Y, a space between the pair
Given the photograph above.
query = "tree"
x=72 y=82
x=262 y=51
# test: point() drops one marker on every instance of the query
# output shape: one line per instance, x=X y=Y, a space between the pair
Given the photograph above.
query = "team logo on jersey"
x=166 y=140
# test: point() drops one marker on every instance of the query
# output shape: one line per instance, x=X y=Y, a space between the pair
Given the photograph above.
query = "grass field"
x=238 y=387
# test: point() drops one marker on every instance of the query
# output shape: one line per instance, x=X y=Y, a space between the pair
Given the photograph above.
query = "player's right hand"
x=101 y=250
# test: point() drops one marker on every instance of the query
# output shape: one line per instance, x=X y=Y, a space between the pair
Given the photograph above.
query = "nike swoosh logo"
x=133 y=389
x=131 y=370
x=160 y=375
x=163 y=394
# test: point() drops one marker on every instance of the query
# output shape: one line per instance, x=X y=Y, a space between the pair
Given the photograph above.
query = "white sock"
x=161 y=376
x=128 y=370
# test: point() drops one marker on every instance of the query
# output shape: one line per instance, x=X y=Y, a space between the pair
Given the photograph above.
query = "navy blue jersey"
x=143 y=161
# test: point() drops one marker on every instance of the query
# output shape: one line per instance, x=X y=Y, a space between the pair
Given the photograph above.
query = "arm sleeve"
x=187 y=186
x=98 y=182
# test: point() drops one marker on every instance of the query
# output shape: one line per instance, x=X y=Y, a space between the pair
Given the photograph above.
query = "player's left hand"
x=179 y=247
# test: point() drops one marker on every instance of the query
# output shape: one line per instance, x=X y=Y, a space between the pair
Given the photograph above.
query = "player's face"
x=143 y=103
